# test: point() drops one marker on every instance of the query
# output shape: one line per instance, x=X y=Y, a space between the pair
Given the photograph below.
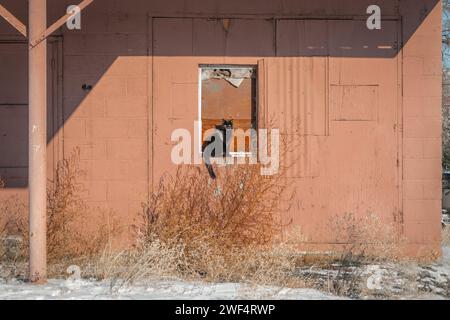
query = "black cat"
x=226 y=134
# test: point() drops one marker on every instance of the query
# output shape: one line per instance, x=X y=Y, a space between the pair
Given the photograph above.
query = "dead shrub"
x=213 y=220
x=237 y=209
x=363 y=241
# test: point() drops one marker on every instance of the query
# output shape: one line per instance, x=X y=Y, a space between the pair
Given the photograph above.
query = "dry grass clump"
x=11 y=244
x=366 y=237
x=364 y=241
x=125 y=267
x=270 y=264
x=14 y=209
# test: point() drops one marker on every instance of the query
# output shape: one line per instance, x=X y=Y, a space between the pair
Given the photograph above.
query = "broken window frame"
x=255 y=116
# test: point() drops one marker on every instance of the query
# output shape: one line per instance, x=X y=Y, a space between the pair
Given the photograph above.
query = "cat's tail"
x=210 y=171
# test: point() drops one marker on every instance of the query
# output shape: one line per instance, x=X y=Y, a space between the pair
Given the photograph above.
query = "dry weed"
x=126 y=267
x=271 y=264
x=12 y=242
x=213 y=219
x=364 y=241
x=237 y=209
x=11 y=245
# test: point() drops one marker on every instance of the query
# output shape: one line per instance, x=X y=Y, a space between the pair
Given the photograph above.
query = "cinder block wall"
x=112 y=123
x=422 y=129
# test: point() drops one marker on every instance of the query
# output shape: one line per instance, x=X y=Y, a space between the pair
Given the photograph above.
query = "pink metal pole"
x=37 y=97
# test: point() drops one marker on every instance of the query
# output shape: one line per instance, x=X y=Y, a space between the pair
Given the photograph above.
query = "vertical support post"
x=37 y=126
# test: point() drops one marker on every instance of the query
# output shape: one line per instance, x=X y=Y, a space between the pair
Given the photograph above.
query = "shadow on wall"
x=108 y=57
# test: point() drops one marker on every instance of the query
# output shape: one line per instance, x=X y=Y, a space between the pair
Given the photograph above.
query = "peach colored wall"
x=422 y=82
x=141 y=57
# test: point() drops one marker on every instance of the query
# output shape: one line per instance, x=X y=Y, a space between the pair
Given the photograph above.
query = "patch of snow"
x=388 y=280
x=158 y=290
